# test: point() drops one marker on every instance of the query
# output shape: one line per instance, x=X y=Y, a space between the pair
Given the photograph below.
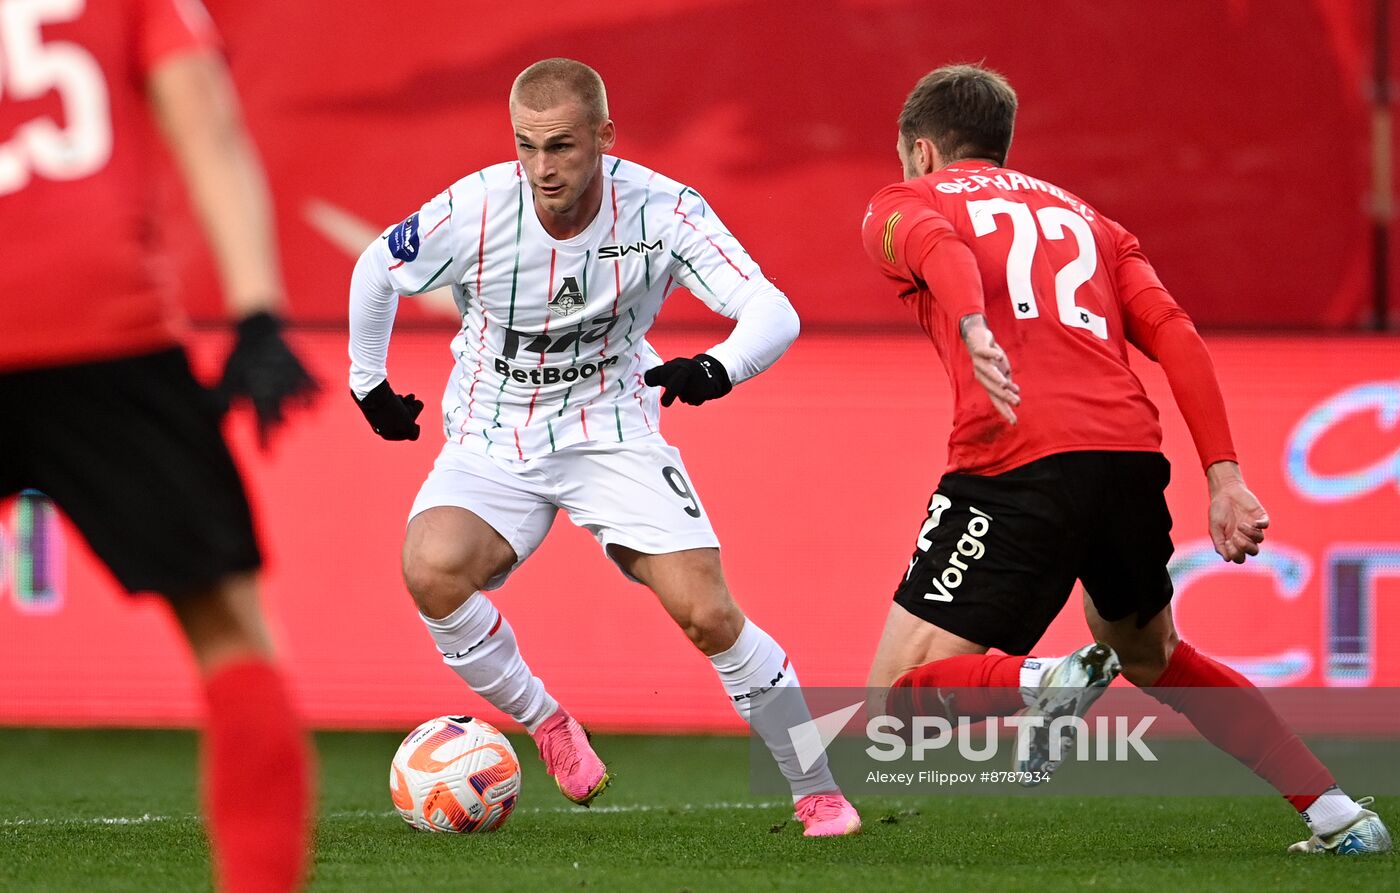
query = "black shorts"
x=130 y=449
x=998 y=555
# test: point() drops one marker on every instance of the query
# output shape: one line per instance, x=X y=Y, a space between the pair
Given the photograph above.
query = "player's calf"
x=690 y=585
x=1231 y=713
x=762 y=685
x=756 y=673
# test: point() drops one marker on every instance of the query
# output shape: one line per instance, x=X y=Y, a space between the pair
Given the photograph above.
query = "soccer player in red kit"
x=98 y=408
x=1055 y=471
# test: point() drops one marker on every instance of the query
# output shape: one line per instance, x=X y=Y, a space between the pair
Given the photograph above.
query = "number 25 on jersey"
x=29 y=69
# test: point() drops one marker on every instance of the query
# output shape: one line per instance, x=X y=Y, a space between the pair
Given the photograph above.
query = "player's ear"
x=926 y=156
x=607 y=135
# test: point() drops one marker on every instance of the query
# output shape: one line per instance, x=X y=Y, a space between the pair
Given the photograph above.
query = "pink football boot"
x=567 y=756
x=827 y=815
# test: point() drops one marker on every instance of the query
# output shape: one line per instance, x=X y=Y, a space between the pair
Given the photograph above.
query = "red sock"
x=986 y=685
x=1241 y=723
x=257 y=784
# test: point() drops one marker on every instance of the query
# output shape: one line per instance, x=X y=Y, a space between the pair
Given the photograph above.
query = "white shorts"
x=636 y=494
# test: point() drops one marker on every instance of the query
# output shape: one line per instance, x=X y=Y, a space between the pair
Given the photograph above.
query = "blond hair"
x=552 y=82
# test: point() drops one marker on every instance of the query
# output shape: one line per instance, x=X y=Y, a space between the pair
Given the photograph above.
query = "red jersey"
x=85 y=277
x=1056 y=277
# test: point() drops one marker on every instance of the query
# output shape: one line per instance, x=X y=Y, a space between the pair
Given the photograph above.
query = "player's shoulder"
x=904 y=200
x=642 y=183
x=473 y=186
x=497 y=178
x=917 y=190
x=497 y=188
x=447 y=212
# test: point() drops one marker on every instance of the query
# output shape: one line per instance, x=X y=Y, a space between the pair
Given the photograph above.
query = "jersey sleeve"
x=172 y=27
x=705 y=257
x=412 y=257
x=765 y=327
x=708 y=260
x=1132 y=272
x=1154 y=323
x=373 y=305
x=916 y=247
x=420 y=253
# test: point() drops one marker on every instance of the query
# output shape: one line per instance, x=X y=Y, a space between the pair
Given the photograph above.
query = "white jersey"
x=552 y=347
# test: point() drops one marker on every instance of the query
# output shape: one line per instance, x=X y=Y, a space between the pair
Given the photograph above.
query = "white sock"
x=1331 y=812
x=478 y=643
x=754 y=670
x=1033 y=669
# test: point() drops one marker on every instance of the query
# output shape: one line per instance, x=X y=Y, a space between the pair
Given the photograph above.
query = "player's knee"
x=713 y=626
x=224 y=622
x=1145 y=662
x=439 y=580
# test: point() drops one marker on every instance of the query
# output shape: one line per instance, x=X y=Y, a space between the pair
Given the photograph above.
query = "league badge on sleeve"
x=403 y=239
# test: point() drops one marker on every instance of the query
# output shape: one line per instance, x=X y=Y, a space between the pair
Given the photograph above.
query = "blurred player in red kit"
x=1055 y=470
x=100 y=410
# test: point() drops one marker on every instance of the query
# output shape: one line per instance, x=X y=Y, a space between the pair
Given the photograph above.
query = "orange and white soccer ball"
x=455 y=773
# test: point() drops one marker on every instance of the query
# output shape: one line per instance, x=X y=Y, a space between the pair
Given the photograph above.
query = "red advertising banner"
x=1232 y=136
x=816 y=475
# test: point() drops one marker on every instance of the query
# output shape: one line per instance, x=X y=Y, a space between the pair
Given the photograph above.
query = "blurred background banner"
x=1244 y=141
x=816 y=476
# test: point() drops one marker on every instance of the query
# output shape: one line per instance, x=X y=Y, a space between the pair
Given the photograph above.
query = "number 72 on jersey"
x=1027 y=228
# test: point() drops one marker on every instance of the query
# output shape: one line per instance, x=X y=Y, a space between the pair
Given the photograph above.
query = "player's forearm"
x=236 y=210
x=1191 y=375
x=765 y=327
x=373 y=304
x=199 y=110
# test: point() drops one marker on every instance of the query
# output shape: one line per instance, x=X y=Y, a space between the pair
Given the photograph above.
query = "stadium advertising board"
x=816 y=476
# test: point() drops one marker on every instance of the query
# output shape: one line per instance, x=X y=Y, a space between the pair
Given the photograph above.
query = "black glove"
x=693 y=381
x=392 y=417
x=263 y=369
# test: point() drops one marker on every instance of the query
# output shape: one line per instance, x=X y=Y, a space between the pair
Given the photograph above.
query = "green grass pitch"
x=98 y=810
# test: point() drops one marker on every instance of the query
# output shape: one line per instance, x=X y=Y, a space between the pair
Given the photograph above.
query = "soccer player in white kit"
x=559 y=263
